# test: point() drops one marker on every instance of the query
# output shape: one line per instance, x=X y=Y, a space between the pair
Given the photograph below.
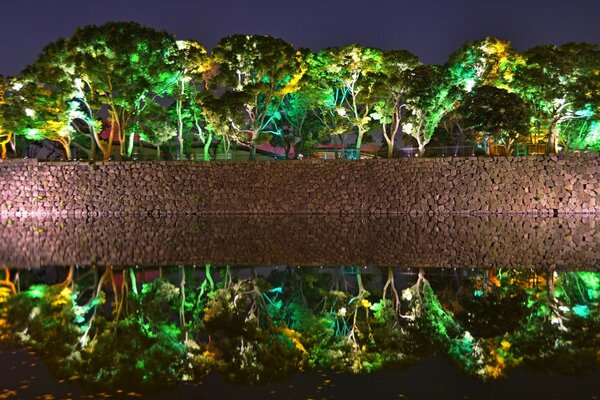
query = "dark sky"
x=431 y=29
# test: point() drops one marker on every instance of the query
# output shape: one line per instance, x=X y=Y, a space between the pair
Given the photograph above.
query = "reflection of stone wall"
x=443 y=185
x=408 y=241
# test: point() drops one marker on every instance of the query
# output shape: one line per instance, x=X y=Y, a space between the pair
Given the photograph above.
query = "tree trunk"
x=92 y=153
x=207 y=144
x=389 y=141
x=105 y=149
x=252 y=155
x=553 y=137
x=140 y=149
x=66 y=147
x=4 y=142
x=180 y=120
x=421 y=145
x=359 y=139
x=130 y=145
x=335 y=149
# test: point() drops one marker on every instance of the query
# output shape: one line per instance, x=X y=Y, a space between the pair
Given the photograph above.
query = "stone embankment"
x=533 y=185
x=569 y=242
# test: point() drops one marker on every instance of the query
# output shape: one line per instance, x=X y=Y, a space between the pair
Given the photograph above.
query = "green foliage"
x=254 y=88
x=153 y=125
x=350 y=74
x=37 y=112
x=253 y=74
x=502 y=115
x=489 y=61
x=112 y=67
x=561 y=84
x=256 y=330
x=429 y=97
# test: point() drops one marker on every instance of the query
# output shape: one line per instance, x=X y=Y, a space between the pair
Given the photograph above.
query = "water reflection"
x=147 y=328
x=409 y=241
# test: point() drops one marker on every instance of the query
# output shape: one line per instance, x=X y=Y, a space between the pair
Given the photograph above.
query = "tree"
x=37 y=112
x=429 y=97
x=580 y=134
x=391 y=89
x=112 y=67
x=351 y=73
x=192 y=62
x=259 y=71
x=561 y=83
x=502 y=115
x=5 y=134
x=223 y=117
x=489 y=61
x=55 y=69
x=153 y=125
x=304 y=112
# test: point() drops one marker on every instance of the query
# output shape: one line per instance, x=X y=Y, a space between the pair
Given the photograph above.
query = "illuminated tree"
x=561 y=83
x=223 y=119
x=350 y=72
x=260 y=71
x=499 y=114
x=489 y=61
x=153 y=125
x=391 y=89
x=53 y=68
x=486 y=62
x=429 y=97
x=580 y=134
x=115 y=67
x=37 y=112
x=192 y=62
x=305 y=112
x=5 y=134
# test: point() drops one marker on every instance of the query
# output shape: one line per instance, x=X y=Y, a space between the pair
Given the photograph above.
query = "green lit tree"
x=305 y=112
x=350 y=73
x=580 y=134
x=486 y=62
x=429 y=97
x=259 y=71
x=55 y=69
x=489 y=61
x=153 y=125
x=391 y=90
x=501 y=115
x=223 y=119
x=37 y=112
x=192 y=62
x=112 y=67
x=561 y=84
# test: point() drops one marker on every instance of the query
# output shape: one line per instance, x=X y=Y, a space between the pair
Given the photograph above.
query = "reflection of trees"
x=561 y=332
x=125 y=328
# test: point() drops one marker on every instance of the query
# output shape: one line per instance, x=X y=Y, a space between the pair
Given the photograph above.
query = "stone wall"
x=533 y=185
x=569 y=242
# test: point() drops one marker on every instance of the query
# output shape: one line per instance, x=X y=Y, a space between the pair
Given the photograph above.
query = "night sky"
x=431 y=29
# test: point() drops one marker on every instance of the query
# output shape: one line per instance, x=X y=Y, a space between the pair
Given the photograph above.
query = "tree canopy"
x=254 y=88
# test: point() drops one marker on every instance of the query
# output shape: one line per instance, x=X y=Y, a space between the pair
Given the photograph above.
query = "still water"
x=300 y=307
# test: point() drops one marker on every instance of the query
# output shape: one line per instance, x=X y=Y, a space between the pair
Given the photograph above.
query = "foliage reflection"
x=154 y=328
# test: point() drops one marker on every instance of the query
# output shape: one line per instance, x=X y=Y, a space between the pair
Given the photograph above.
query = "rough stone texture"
x=569 y=242
x=533 y=185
